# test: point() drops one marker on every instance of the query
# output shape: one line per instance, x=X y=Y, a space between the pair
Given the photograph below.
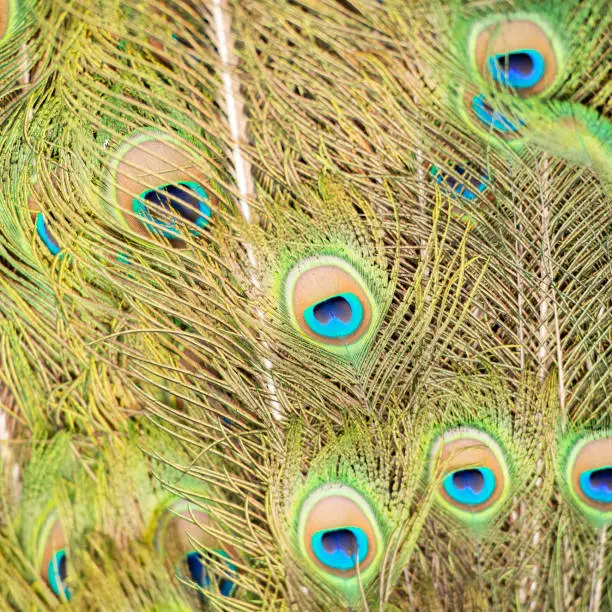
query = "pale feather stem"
x=519 y=279
x=386 y=585
x=522 y=593
x=598 y=573
x=364 y=599
x=521 y=330
x=359 y=383
x=5 y=437
x=479 y=562
x=526 y=589
x=409 y=588
x=25 y=77
x=560 y=370
x=520 y=301
x=421 y=192
x=546 y=287
x=545 y=269
x=549 y=274
x=242 y=167
x=567 y=560
x=5 y=434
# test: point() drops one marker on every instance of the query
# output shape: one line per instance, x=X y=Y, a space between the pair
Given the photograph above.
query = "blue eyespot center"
x=469 y=479
x=334 y=308
x=335 y=317
x=519 y=69
x=492 y=118
x=196 y=563
x=57 y=571
x=471 y=486
x=186 y=199
x=45 y=235
x=343 y=548
x=597 y=484
x=342 y=539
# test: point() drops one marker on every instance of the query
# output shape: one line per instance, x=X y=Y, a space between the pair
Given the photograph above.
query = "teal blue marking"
x=495 y=119
x=56 y=574
x=43 y=234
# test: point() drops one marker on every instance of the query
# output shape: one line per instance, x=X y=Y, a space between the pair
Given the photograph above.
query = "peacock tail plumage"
x=305 y=305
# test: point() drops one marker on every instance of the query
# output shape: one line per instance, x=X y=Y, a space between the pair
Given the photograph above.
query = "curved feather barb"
x=305 y=305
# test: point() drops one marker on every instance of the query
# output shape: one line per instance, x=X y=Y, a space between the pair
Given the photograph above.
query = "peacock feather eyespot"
x=339 y=533
x=176 y=533
x=520 y=53
x=587 y=476
x=329 y=302
x=46 y=236
x=154 y=184
x=57 y=573
x=474 y=474
x=196 y=565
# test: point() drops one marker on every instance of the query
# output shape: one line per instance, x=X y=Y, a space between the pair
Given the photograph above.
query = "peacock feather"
x=305 y=305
